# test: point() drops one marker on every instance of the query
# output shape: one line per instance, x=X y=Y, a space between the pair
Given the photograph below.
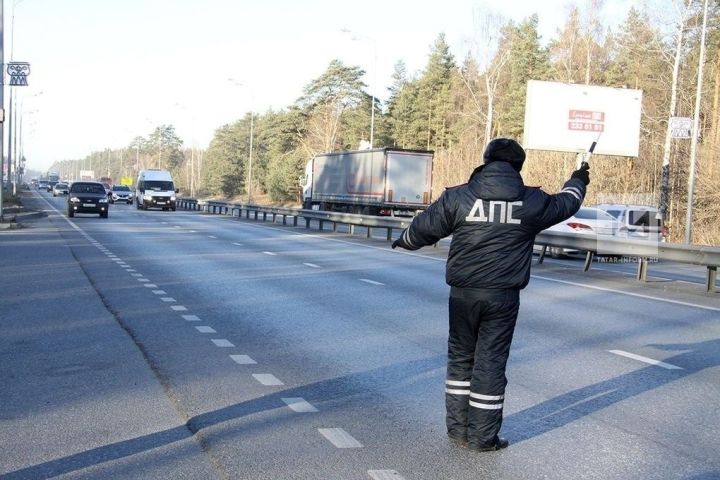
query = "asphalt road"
x=180 y=345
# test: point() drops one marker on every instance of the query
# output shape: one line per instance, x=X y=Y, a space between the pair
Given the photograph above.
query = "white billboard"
x=568 y=117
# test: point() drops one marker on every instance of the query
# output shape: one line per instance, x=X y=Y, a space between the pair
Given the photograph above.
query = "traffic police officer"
x=493 y=220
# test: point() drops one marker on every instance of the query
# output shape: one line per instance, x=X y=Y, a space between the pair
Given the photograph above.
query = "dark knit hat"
x=505 y=150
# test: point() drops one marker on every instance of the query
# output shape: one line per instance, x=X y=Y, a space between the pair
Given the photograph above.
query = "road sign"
x=681 y=127
x=18 y=72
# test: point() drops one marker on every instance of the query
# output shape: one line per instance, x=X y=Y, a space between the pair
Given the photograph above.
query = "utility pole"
x=2 y=107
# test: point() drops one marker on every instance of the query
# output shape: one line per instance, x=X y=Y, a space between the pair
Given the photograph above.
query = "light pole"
x=250 y=156
x=357 y=37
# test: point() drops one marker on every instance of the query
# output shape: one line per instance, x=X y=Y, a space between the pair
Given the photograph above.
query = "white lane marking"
x=647 y=297
x=267 y=379
x=339 y=437
x=238 y=244
x=270 y=253
x=212 y=236
x=371 y=282
x=299 y=405
x=191 y=318
x=178 y=308
x=385 y=475
x=150 y=285
x=136 y=274
x=204 y=329
x=168 y=299
x=130 y=270
x=640 y=358
x=243 y=359
x=221 y=342
x=142 y=280
x=312 y=265
x=159 y=292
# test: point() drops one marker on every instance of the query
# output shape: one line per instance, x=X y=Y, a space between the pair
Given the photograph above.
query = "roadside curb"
x=14 y=221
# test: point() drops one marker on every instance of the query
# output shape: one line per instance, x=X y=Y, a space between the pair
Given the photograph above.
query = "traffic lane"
x=69 y=405
x=224 y=424
x=284 y=324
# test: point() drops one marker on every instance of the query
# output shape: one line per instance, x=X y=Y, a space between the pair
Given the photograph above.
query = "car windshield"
x=120 y=188
x=87 y=188
x=61 y=185
x=158 y=185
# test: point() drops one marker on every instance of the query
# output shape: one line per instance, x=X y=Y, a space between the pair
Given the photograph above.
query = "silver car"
x=120 y=193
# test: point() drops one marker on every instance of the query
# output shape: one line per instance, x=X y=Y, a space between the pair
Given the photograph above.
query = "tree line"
x=454 y=106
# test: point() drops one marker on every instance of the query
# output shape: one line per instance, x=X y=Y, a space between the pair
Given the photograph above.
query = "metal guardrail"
x=642 y=250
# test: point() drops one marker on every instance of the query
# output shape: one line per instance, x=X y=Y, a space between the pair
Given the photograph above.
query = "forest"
x=455 y=105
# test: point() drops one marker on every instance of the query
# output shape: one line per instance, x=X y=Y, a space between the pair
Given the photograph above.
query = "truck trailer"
x=381 y=181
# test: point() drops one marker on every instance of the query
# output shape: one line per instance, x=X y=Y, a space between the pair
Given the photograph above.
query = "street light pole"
x=250 y=156
x=2 y=106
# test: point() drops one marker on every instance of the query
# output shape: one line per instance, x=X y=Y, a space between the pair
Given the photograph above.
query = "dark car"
x=121 y=193
x=87 y=197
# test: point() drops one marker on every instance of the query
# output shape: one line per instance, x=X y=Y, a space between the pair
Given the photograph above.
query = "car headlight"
x=103 y=200
x=172 y=198
x=74 y=199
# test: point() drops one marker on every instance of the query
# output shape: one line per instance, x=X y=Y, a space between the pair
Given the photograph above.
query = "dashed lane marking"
x=191 y=318
x=339 y=437
x=151 y=285
x=168 y=299
x=243 y=359
x=159 y=292
x=312 y=265
x=270 y=253
x=205 y=329
x=238 y=244
x=136 y=274
x=640 y=358
x=267 y=379
x=142 y=280
x=179 y=308
x=299 y=405
x=371 y=282
x=212 y=236
x=222 y=343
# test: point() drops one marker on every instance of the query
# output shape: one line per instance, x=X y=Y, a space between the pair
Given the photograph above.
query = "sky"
x=106 y=71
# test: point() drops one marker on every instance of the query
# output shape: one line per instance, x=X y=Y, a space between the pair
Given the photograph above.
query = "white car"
x=586 y=221
x=637 y=221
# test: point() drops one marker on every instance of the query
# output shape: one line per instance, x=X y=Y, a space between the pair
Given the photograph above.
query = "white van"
x=155 y=189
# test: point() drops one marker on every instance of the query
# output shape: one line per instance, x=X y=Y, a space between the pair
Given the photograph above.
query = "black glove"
x=582 y=174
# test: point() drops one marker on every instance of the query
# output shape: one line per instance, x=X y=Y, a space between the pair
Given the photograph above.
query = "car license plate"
x=161 y=203
x=88 y=204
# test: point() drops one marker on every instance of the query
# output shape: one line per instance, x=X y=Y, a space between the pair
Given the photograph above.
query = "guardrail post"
x=642 y=269
x=295 y=220
x=334 y=226
x=588 y=260
x=307 y=222
x=711 y=278
x=369 y=232
x=352 y=229
x=256 y=214
x=541 y=259
x=264 y=216
x=389 y=234
x=322 y=224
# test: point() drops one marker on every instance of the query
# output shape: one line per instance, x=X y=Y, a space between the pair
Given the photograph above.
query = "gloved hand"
x=582 y=174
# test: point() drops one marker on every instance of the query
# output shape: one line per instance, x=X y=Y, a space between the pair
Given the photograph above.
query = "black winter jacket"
x=493 y=220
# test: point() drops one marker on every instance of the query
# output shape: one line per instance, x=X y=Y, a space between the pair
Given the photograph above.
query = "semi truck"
x=382 y=181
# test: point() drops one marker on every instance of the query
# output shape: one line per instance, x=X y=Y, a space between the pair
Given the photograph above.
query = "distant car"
x=586 y=221
x=121 y=193
x=60 y=188
x=42 y=185
x=87 y=197
x=637 y=221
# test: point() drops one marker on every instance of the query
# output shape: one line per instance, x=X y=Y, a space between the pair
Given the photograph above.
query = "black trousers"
x=482 y=322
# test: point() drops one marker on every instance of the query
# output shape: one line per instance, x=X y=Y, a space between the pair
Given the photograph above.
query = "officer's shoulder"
x=455 y=187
